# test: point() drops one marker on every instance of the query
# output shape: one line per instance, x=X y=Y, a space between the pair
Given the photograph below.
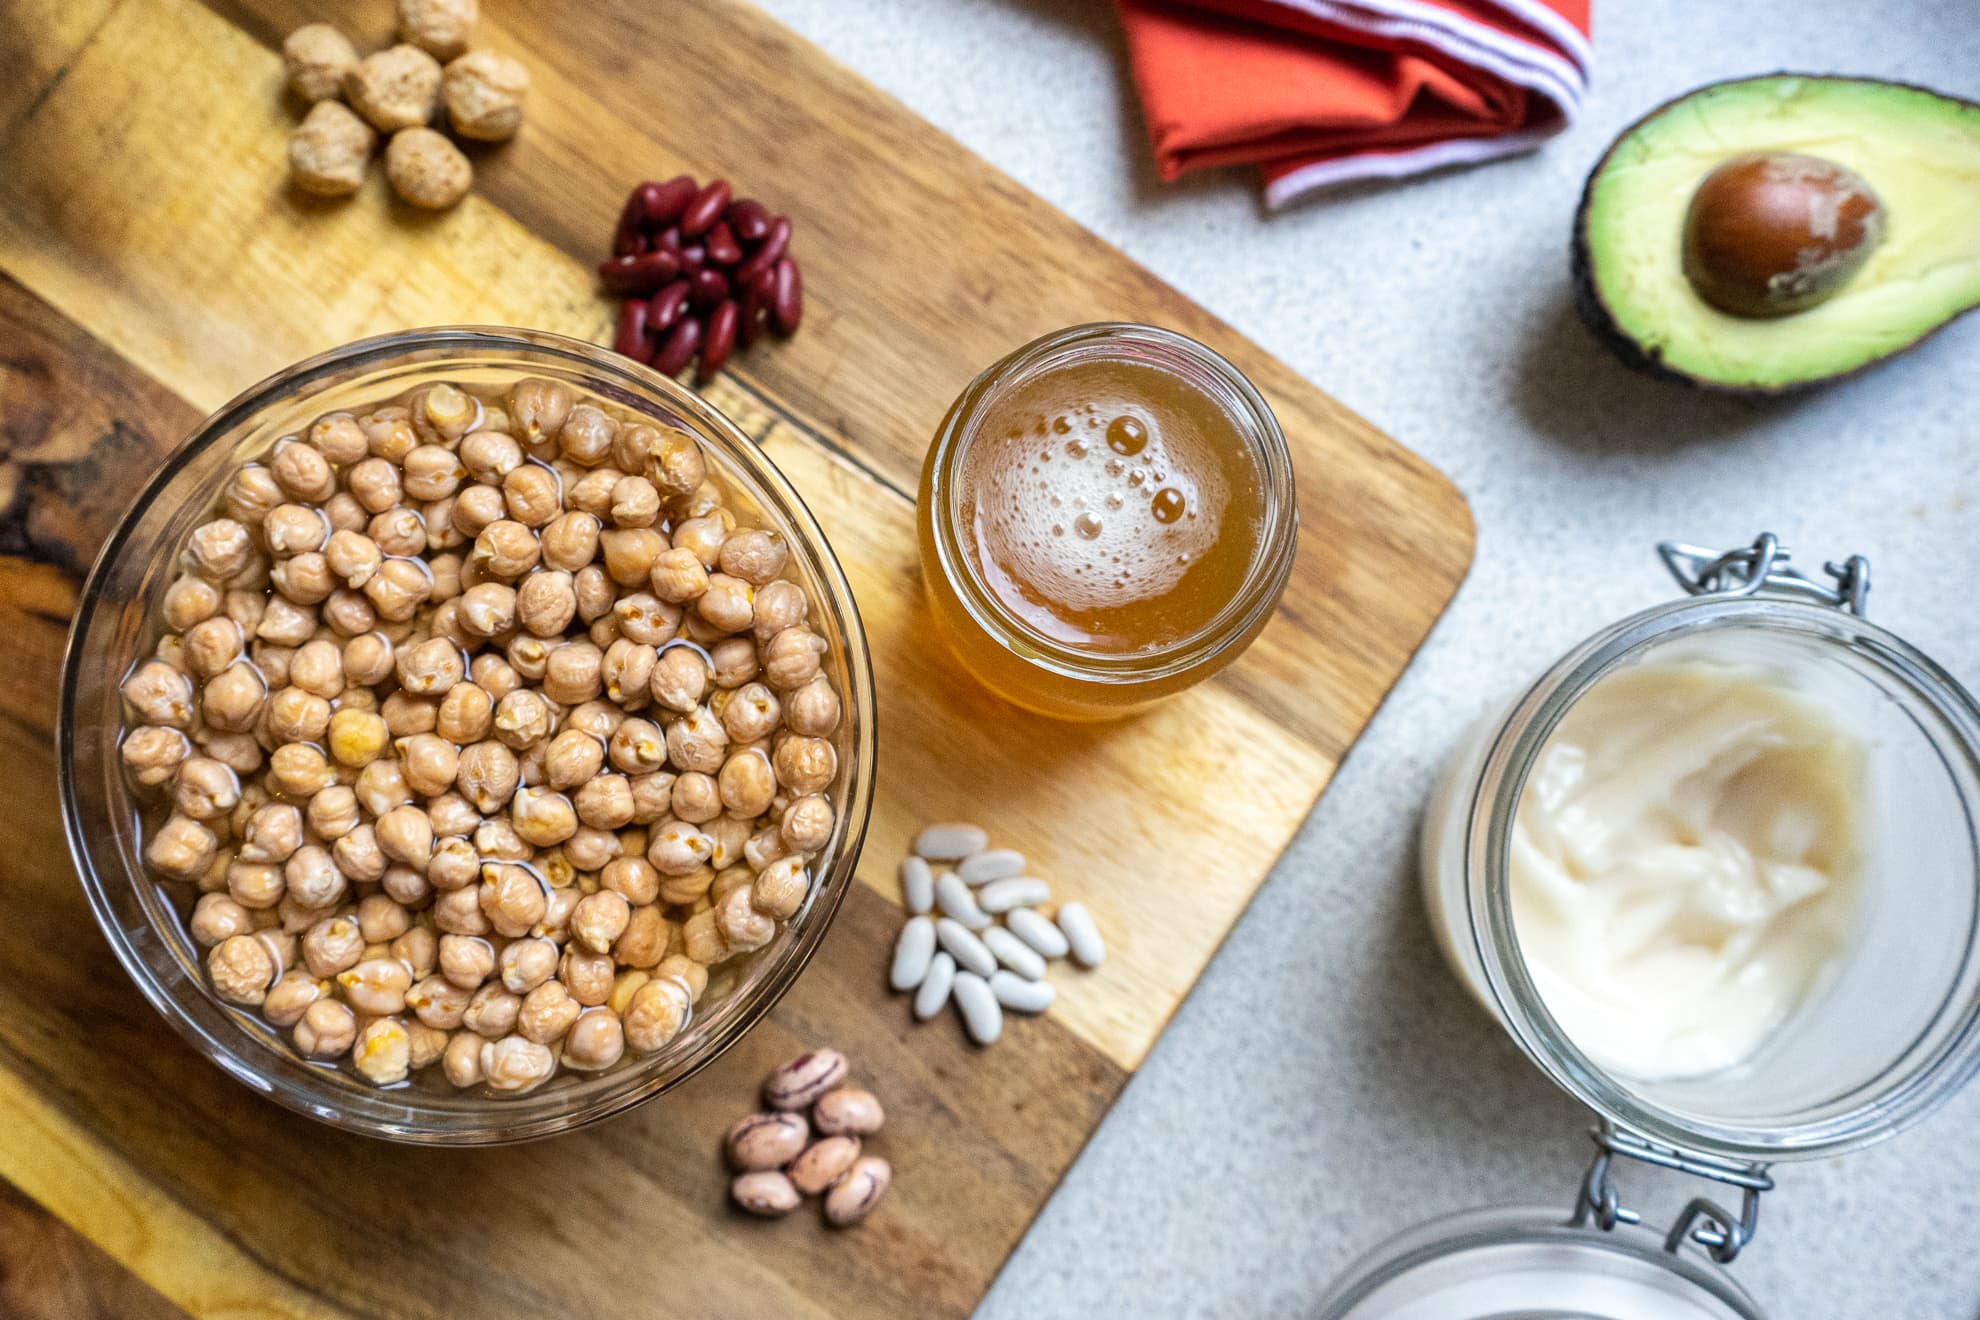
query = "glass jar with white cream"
x=1717 y=872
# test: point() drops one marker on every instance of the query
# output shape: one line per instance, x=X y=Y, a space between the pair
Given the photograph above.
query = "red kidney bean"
x=693 y=258
x=705 y=209
x=678 y=346
x=715 y=345
x=662 y=203
x=723 y=249
x=749 y=314
x=640 y=272
x=667 y=306
x=709 y=288
x=631 y=337
x=787 y=297
x=772 y=251
x=667 y=240
x=626 y=235
x=750 y=219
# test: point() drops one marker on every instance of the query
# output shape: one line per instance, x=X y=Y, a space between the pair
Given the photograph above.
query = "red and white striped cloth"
x=1323 y=92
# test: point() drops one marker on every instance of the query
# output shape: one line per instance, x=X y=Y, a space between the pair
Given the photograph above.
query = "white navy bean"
x=968 y=950
x=980 y=1012
x=1082 y=935
x=1020 y=995
x=1040 y=934
x=1014 y=953
x=917 y=885
x=1020 y=891
x=958 y=902
x=935 y=987
x=996 y=864
x=913 y=951
x=950 y=841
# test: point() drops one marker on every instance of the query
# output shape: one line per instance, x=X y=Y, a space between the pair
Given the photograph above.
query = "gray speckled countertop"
x=1328 y=1083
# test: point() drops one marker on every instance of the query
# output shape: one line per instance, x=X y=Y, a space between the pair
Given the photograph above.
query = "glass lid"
x=1525 y=1263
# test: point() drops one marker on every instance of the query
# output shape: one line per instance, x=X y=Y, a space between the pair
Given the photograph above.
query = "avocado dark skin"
x=1601 y=320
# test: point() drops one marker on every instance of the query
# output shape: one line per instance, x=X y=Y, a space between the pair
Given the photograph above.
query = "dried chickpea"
x=316 y=57
x=357 y=737
x=396 y=88
x=327 y=1029
x=241 y=968
x=442 y=28
x=426 y=169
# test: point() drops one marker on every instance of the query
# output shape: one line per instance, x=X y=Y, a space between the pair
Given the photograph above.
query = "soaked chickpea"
x=657 y=1014
x=358 y=855
x=328 y=1028
x=290 y=997
x=189 y=601
x=697 y=741
x=704 y=536
x=680 y=679
x=779 y=605
x=348 y=614
x=218 y=917
x=542 y=817
x=466 y=961
x=678 y=848
x=492 y=1011
x=533 y=495
x=587 y=976
x=805 y=765
x=377 y=986
x=753 y=555
x=405 y=834
x=697 y=798
x=369 y=658
x=570 y=541
x=747 y=784
x=272 y=832
x=311 y=877
x=357 y=737
x=466 y=714
x=641 y=616
x=574 y=673
x=219 y=551
x=678 y=576
x=672 y=461
x=644 y=940
x=382 y=1053
x=398 y=589
x=807 y=823
x=596 y=1041
x=458 y=912
x=547 y=1013
x=418 y=949
x=779 y=889
x=241 y=968
x=546 y=603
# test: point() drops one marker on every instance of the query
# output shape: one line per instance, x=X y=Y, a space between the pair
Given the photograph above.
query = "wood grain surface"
x=156 y=264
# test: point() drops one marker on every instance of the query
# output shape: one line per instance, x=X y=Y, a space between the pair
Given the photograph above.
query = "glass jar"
x=1017 y=660
x=115 y=625
x=1890 y=1035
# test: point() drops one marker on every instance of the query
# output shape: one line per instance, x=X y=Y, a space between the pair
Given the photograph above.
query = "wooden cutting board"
x=154 y=264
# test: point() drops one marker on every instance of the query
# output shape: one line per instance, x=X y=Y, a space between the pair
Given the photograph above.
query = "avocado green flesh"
x=1919 y=152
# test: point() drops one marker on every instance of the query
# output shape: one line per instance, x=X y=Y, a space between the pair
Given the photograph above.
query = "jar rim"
x=1515 y=749
x=217 y=1033
x=1271 y=564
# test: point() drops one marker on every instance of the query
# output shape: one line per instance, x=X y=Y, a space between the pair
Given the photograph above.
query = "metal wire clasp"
x=1765 y=566
x=1704 y=1222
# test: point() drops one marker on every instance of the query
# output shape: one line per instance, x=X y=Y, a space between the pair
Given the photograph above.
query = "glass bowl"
x=116 y=625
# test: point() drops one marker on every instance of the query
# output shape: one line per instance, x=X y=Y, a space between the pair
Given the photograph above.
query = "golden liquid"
x=1107 y=507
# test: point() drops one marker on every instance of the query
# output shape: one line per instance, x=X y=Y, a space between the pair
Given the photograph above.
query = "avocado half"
x=1920 y=152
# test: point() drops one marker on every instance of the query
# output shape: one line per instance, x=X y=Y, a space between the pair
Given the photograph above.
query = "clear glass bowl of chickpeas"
x=467 y=735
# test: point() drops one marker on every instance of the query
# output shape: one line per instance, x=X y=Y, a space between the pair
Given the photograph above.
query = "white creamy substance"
x=1685 y=862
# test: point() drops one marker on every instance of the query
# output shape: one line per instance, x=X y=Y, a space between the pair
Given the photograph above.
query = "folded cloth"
x=1322 y=92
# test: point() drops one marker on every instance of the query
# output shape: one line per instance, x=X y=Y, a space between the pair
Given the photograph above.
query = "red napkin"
x=1321 y=92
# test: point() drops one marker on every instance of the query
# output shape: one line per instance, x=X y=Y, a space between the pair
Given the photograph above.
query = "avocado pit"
x=1772 y=233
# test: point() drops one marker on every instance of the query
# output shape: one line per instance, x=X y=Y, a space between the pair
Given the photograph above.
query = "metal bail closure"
x=1765 y=568
x=1704 y=1222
